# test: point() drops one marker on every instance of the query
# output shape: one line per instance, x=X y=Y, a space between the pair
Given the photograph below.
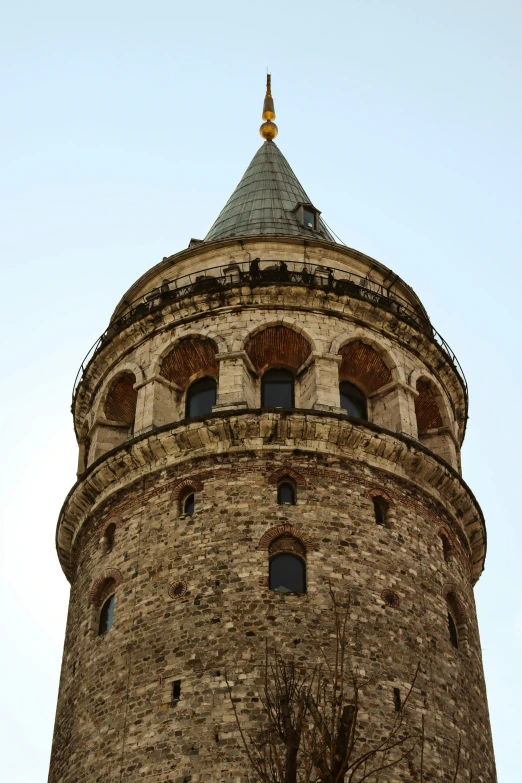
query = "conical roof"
x=265 y=201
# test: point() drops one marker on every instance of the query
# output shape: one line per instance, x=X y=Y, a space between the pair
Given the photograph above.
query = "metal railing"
x=258 y=273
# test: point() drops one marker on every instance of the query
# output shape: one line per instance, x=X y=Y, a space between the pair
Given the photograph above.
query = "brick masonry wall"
x=115 y=718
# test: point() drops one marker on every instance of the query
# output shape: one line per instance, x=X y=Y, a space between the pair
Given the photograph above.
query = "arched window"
x=380 y=508
x=286 y=494
x=277 y=389
x=452 y=627
x=106 y=615
x=188 y=504
x=201 y=397
x=110 y=532
x=287 y=570
x=457 y=624
x=353 y=400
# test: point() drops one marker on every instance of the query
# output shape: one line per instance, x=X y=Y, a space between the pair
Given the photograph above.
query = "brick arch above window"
x=427 y=407
x=286 y=530
x=110 y=578
x=287 y=543
x=362 y=365
x=277 y=346
x=182 y=487
x=279 y=475
x=376 y=492
x=190 y=358
x=120 y=403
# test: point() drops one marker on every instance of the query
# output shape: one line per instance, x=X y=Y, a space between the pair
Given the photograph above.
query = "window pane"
x=106 y=616
x=453 y=631
x=277 y=389
x=353 y=400
x=309 y=218
x=287 y=574
x=201 y=396
x=188 y=505
x=286 y=493
x=380 y=513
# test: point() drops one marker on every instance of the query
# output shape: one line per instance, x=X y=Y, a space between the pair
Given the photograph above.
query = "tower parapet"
x=266 y=397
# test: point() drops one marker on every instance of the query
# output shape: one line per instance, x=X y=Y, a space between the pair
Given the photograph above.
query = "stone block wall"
x=116 y=718
x=150 y=699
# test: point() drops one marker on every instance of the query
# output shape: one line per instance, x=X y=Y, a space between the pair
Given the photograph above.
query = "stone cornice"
x=256 y=430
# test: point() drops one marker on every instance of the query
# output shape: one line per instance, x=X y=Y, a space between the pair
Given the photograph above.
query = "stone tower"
x=269 y=413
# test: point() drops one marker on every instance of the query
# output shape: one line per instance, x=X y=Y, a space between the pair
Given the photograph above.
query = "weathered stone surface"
x=192 y=602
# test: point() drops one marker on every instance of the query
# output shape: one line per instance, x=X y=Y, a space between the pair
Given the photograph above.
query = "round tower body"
x=273 y=421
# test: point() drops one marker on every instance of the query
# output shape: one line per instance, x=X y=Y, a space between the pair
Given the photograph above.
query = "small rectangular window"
x=176 y=690
x=308 y=218
x=397 y=699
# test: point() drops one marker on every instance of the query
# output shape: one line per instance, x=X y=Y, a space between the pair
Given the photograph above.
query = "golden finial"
x=268 y=129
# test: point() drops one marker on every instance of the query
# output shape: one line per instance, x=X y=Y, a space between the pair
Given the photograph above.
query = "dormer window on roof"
x=307 y=216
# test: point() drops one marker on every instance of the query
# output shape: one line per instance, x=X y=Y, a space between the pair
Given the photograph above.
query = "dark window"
x=277 y=389
x=109 y=537
x=446 y=549
x=309 y=218
x=397 y=699
x=188 y=504
x=353 y=400
x=453 y=631
x=176 y=690
x=201 y=396
x=106 y=616
x=287 y=573
x=380 y=508
x=286 y=493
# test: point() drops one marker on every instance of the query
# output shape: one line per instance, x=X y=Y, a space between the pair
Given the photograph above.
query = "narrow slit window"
x=446 y=549
x=176 y=690
x=397 y=699
x=106 y=616
x=109 y=537
x=380 y=508
x=286 y=494
x=453 y=631
x=188 y=504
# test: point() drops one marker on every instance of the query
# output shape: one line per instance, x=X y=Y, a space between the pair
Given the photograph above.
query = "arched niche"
x=434 y=428
x=363 y=372
x=116 y=413
x=281 y=348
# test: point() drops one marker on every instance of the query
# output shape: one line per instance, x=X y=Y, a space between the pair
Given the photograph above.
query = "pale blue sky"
x=126 y=126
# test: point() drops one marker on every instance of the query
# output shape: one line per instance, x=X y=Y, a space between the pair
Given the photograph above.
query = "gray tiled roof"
x=263 y=201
